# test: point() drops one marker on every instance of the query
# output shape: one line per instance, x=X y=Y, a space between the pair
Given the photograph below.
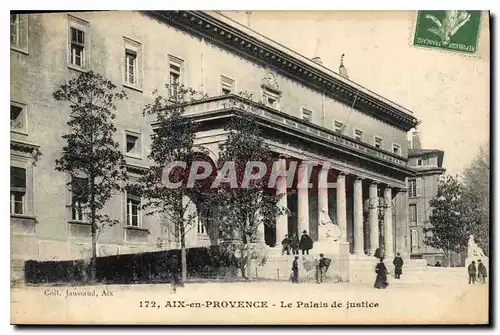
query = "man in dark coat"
x=286 y=245
x=381 y=271
x=323 y=265
x=398 y=266
x=481 y=271
x=380 y=253
x=174 y=269
x=472 y=272
x=438 y=264
x=306 y=243
x=295 y=270
x=294 y=244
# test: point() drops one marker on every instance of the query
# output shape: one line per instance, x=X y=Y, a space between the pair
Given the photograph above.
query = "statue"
x=327 y=230
x=270 y=80
x=473 y=250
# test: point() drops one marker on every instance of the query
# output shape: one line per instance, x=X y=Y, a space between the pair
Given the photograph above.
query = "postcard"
x=250 y=167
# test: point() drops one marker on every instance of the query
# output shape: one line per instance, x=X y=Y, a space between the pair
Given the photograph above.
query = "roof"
x=224 y=31
x=420 y=152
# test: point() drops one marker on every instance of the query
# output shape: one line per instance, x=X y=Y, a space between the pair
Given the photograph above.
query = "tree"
x=91 y=156
x=242 y=209
x=477 y=193
x=172 y=141
x=450 y=218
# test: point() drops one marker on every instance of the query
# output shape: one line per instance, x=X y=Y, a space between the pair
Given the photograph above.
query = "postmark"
x=450 y=30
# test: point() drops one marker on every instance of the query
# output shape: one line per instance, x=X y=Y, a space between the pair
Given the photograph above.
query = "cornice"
x=226 y=106
x=289 y=63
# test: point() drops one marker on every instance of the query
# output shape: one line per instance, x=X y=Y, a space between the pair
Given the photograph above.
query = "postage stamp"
x=454 y=30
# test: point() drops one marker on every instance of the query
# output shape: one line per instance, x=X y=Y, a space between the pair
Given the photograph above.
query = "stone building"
x=428 y=163
x=309 y=113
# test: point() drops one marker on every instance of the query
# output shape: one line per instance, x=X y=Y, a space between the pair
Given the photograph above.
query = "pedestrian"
x=306 y=243
x=286 y=245
x=398 y=266
x=295 y=270
x=380 y=253
x=294 y=243
x=438 y=264
x=174 y=268
x=472 y=272
x=323 y=265
x=481 y=271
x=381 y=279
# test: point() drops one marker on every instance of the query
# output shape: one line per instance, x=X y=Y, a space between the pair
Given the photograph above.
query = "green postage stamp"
x=454 y=30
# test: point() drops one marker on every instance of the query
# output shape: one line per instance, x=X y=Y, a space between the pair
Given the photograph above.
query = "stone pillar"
x=373 y=203
x=281 y=220
x=388 y=233
x=342 y=206
x=359 y=248
x=322 y=202
x=303 y=200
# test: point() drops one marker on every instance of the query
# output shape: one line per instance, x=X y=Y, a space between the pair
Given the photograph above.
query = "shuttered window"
x=17 y=190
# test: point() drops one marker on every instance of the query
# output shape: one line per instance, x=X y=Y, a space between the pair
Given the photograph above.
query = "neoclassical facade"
x=315 y=118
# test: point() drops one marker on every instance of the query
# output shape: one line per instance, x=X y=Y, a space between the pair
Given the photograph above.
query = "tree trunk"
x=93 y=259
x=183 y=253
x=183 y=262
x=245 y=261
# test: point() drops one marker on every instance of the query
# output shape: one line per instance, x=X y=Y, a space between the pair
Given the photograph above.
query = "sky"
x=448 y=92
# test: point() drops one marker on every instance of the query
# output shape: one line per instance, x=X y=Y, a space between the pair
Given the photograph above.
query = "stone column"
x=388 y=234
x=260 y=237
x=281 y=220
x=322 y=202
x=359 y=248
x=342 y=206
x=303 y=200
x=373 y=203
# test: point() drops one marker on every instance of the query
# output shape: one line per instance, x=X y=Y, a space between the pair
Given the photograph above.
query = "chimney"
x=317 y=60
x=342 y=68
x=416 y=144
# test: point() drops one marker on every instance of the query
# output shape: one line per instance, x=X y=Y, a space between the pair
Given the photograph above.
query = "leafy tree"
x=91 y=156
x=450 y=219
x=477 y=193
x=241 y=210
x=172 y=141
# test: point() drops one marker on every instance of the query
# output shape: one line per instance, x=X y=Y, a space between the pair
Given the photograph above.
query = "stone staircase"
x=279 y=267
x=363 y=269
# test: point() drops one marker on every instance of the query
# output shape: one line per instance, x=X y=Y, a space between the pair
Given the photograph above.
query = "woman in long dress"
x=381 y=271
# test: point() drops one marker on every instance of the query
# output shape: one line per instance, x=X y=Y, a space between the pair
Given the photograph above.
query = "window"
x=419 y=161
x=175 y=78
x=378 y=142
x=133 y=144
x=306 y=115
x=227 y=85
x=414 y=240
x=19 y=31
x=396 y=149
x=133 y=210
x=130 y=67
x=133 y=51
x=202 y=228
x=412 y=188
x=271 y=98
x=413 y=214
x=17 y=190
x=18 y=117
x=78 y=199
x=358 y=135
x=338 y=126
x=77 y=47
x=78 y=43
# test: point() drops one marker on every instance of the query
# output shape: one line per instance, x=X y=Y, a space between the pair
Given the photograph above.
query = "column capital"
x=359 y=179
